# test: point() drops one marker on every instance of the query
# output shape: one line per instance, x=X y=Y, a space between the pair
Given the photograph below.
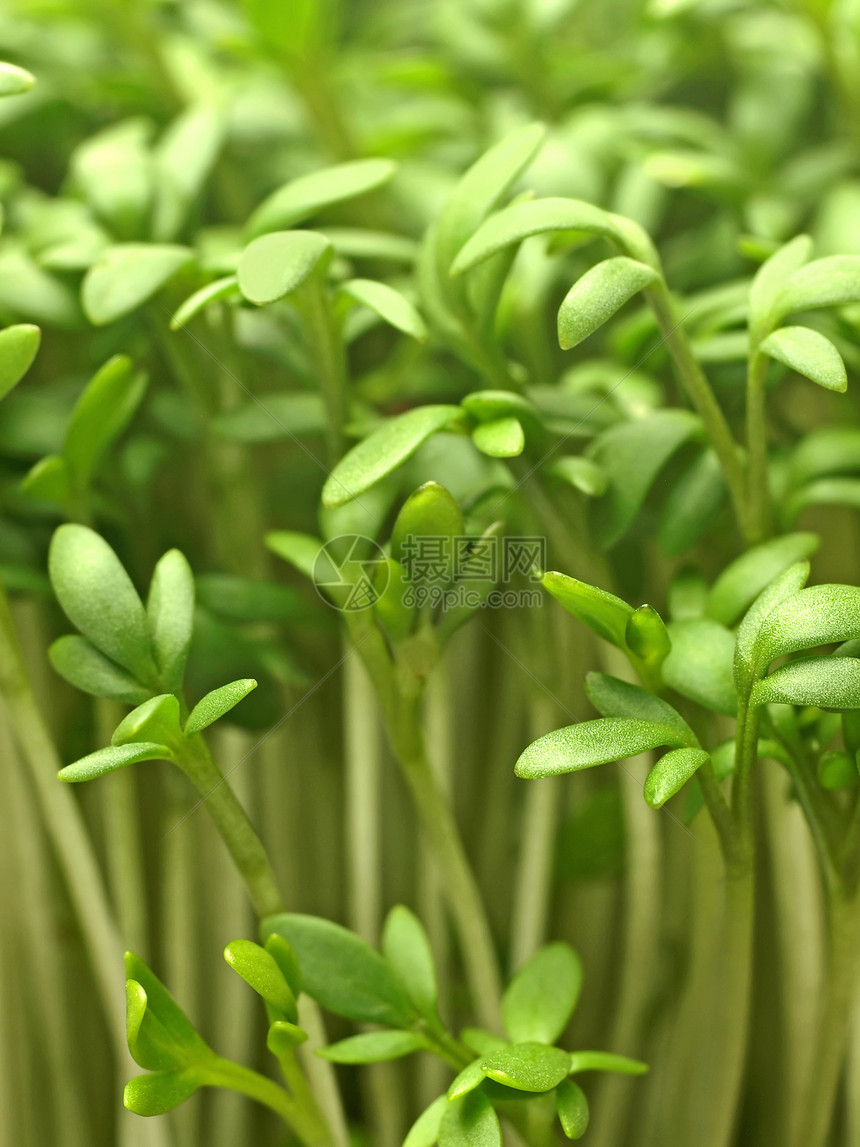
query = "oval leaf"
x=389 y=304
x=112 y=758
x=605 y=1061
x=593 y=743
x=309 y=194
x=613 y=697
x=828 y=682
x=470 y=1122
x=374 y=1047
x=528 y=1067
x=407 y=950
x=424 y=1132
x=126 y=276
x=102 y=412
x=276 y=264
x=540 y=999
x=597 y=296
x=503 y=438
x=741 y=582
x=14 y=81
x=259 y=969
x=81 y=664
x=160 y=1091
x=817 y=615
x=384 y=450
x=18 y=347
x=220 y=290
x=572 y=1107
x=215 y=704
x=601 y=611
x=810 y=354
x=700 y=664
x=671 y=773
x=170 y=617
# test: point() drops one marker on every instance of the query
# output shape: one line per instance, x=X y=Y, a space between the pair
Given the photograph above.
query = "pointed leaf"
x=156 y=720
x=389 y=304
x=18 y=347
x=470 y=1122
x=312 y=193
x=341 y=971
x=183 y=160
x=384 y=450
x=743 y=580
x=102 y=412
x=407 y=950
x=112 y=758
x=83 y=666
x=597 y=296
x=671 y=773
x=606 y=614
x=503 y=438
x=14 y=81
x=277 y=264
x=540 y=999
x=700 y=664
x=170 y=617
x=605 y=1061
x=770 y=280
x=746 y=640
x=593 y=743
x=810 y=354
x=128 y=275
x=160 y=1091
x=823 y=283
x=98 y=597
x=528 y=1067
x=572 y=1107
x=300 y=550
x=215 y=704
x=827 y=682
x=259 y=969
x=374 y=1047
x=817 y=615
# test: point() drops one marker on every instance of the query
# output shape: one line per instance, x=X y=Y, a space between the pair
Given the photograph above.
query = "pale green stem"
x=326 y=345
x=698 y=390
x=759 y=487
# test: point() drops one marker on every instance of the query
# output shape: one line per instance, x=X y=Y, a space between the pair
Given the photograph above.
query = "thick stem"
x=236 y=830
x=699 y=392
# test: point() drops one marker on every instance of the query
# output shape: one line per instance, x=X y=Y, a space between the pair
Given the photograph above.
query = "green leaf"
x=572 y=1107
x=831 y=450
x=424 y=1132
x=361 y=243
x=482 y=187
x=468 y=1079
x=407 y=950
x=479 y=587
x=102 y=412
x=528 y=1067
x=170 y=617
x=341 y=971
x=312 y=193
x=646 y=636
x=828 y=282
x=613 y=697
x=540 y=999
x=632 y=454
x=276 y=264
x=771 y=278
x=837 y=770
x=156 y=720
x=128 y=275
x=97 y=596
x=14 y=81
x=112 y=758
x=598 y=295
x=215 y=704
x=430 y=512
x=81 y=664
x=300 y=550
x=606 y=614
x=374 y=1047
x=389 y=304
x=810 y=354
x=259 y=969
x=824 y=492
x=112 y=170
x=384 y=450
x=161 y=1007
x=605 y=1061
x=581 y=473
x=828 y=682
x=694 y=499
x=273 y=419
x=503 y=438
x=160 y=1091
x=817 y=615
x=470 y=1122
x=287 y=961
x=671 y=773
x=247 y=600
x=700 y=663
x=535 y=217
x=482 y=1042
x=784 y=586
x=218 y=291
x=183 y=161
x=18 y=347
x=283 y=1037
x=590 y=743
x=49 y=481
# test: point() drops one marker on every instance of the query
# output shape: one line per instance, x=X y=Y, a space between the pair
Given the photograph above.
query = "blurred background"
x=723 y=127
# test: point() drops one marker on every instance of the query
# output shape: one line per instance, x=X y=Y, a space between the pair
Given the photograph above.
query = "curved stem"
x=698 y=390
